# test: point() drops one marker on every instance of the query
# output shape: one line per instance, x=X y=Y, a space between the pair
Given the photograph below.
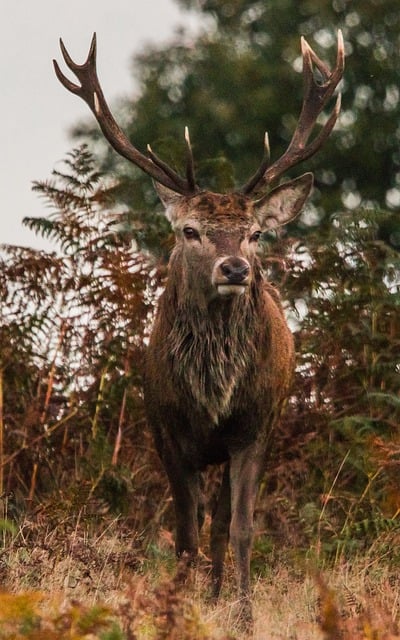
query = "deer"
x=220 y=358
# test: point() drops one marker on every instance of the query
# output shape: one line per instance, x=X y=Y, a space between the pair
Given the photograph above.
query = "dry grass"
x=69 y=570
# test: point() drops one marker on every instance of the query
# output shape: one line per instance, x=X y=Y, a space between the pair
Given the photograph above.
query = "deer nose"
x=235 y=270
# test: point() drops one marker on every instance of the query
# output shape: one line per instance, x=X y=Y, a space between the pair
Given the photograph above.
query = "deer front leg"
x=185 y=488
x=245 y=472
x=221 y=519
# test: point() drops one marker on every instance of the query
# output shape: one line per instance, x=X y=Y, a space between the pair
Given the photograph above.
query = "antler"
x=316 y=97
x=90 y=91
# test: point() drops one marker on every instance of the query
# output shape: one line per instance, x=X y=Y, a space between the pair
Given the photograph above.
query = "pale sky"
x=36 y=112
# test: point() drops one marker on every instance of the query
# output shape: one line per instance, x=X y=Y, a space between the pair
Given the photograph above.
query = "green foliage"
x=344 y=283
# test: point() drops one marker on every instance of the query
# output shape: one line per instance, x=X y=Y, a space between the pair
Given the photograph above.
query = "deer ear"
x=170 y=199
x=284 y=203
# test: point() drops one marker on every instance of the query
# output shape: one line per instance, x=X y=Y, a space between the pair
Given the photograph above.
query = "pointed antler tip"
x=304 y=44
x=307 y=53
x=340 y=44
x=340 y=41
x=92 y=51
x=340 y=58
x=267 y=150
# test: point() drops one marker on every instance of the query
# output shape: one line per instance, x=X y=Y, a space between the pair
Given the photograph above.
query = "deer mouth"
x=230 y=289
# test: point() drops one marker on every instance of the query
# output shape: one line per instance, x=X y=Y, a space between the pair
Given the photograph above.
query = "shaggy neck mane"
x=212 y=348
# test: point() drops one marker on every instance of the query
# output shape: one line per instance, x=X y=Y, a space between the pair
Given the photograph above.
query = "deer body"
x=220 y=358
x=219 y=366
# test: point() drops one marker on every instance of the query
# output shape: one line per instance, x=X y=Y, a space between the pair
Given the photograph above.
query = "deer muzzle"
x=231 y=275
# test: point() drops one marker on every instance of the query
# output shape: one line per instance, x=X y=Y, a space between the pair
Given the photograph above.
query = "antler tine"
x=189 y=163
x=90 y=91
x=160 y=163
x=190 y=176
x=82 y=72
x=258 y=176
x=315 y=99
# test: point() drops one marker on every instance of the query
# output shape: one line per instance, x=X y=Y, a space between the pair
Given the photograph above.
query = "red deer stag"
x=221 y=357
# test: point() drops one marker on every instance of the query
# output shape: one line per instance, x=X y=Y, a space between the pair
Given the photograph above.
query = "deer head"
x=217 y=235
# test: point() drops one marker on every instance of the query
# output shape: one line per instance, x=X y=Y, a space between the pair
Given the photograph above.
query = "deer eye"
x=255 y=236
x=190 y=233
